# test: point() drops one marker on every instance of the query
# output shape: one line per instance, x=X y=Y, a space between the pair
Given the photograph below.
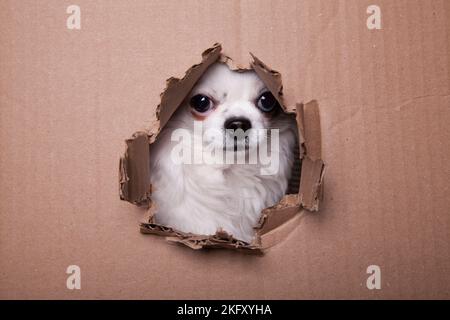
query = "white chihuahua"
x=234 y=114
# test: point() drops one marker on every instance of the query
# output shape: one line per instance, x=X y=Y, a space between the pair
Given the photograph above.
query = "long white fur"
x=201 y=198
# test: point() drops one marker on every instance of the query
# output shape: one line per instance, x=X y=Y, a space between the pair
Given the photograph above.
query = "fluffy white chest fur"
x=202 y=197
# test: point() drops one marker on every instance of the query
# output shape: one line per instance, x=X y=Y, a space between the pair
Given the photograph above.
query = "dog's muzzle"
x=238 y=123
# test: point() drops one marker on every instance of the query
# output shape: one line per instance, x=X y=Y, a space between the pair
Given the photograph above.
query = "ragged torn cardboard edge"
x=276 y=222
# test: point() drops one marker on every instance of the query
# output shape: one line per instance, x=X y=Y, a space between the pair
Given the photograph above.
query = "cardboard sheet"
x=69 y=99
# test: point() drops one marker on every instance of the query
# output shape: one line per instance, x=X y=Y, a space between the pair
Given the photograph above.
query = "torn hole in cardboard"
x=276 y=222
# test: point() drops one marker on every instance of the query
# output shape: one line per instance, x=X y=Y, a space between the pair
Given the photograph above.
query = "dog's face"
x=229 y=103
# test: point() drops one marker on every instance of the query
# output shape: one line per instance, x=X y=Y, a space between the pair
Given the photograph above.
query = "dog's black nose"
x=238 y=123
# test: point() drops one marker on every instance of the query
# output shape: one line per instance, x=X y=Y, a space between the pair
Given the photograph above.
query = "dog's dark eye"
x=201 y=103
x=267 y=102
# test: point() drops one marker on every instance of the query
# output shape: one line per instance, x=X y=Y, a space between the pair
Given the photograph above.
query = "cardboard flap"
x=220 y=239
x=278 y=221
x=275 y=236
x=177 y=89
x=270 y=77
x=312 y=165
x=134 y=170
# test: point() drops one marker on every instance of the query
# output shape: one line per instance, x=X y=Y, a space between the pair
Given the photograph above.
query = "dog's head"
x=232 y=106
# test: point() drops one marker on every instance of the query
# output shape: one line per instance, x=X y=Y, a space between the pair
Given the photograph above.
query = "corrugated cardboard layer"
x=69 y=98
x=134 y=167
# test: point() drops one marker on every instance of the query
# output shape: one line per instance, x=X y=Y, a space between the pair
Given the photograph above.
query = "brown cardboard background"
x=70 y=98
